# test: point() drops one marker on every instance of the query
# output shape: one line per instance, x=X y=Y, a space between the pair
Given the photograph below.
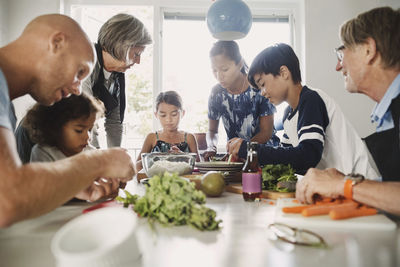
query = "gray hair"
x=120 y=33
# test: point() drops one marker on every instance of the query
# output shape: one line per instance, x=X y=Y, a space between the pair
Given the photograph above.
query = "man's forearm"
x=38 y=188
x=382 y=195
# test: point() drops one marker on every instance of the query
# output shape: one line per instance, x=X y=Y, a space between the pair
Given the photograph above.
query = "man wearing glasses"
x=369 y=60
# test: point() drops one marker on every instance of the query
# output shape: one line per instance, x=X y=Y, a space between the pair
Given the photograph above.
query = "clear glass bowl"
x=158 y=163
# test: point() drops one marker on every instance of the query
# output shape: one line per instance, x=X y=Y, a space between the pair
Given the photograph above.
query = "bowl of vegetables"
x=158 y=163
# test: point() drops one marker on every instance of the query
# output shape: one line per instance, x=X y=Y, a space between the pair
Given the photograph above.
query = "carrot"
x=294 y=209
x=325 y=209
x=295 y=201
x=299 y=209
x=338 y=214
x=271 y=203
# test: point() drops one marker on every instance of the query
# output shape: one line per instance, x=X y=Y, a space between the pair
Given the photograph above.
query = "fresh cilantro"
x=171 y=200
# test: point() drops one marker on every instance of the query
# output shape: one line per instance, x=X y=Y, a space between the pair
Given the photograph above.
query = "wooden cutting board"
x=237 y=188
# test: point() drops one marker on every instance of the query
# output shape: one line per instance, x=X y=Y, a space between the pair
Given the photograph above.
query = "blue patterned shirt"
x=240 y=113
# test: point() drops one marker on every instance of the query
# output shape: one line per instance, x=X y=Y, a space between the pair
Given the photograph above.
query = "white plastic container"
x=101 y=238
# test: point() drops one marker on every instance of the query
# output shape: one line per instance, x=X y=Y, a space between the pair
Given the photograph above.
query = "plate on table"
x=230 y=170
x=219 y=165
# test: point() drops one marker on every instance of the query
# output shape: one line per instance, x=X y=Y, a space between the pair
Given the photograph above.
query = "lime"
x=213 y=184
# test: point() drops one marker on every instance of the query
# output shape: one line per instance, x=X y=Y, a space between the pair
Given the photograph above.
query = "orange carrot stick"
x=295 y=209
x=299 y=209
x=338 y=214
x=325 y=209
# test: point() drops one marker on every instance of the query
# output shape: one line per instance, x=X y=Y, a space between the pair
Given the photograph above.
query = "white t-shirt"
x=343 y=149
x=44 y=153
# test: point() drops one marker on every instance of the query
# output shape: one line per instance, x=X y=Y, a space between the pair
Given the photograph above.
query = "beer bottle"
x=251 y=176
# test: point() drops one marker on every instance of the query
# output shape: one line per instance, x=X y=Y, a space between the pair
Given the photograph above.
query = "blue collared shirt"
x=381 y=113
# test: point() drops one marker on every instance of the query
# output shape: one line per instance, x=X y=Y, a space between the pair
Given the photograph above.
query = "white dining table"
x=243 y=240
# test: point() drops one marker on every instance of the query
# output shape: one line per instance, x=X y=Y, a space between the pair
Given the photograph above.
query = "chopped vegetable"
x=279 y=177
x=294 y=209
x=339 y=214
x=337 y=209
x=325 y=209
x=171 y=200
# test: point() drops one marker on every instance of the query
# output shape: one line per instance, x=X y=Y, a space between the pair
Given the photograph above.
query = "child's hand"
x=233 y=146
x=208 y=155
x=174 y=149
x=100 y=189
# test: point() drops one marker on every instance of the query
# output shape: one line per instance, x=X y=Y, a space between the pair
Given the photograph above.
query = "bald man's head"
x=54 y=21
x=61 y=56
x=50 y=23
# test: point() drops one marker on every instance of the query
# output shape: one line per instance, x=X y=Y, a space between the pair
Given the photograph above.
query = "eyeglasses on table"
x=297 y=236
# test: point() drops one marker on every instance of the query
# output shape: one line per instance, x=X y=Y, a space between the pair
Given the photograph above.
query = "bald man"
x=49 y=61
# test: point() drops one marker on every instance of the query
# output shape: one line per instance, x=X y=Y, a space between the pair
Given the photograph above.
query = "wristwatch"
x=351 y=180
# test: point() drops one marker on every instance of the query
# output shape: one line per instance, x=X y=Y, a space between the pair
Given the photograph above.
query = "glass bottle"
x=251 y=175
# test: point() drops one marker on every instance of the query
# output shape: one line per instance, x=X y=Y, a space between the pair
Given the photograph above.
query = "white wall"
x=317 y=23
x=20 y=13
x=3 y=22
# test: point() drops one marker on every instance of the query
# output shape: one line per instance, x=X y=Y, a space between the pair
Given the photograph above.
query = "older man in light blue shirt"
x=369 y=60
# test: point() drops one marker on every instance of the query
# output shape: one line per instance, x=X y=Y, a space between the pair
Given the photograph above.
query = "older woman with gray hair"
x=121 y=41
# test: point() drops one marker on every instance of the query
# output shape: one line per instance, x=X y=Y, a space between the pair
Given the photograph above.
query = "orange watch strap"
x=348 y=189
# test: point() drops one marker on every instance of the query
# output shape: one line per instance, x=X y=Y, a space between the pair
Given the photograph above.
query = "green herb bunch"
x=275 y=176
x=171 y=200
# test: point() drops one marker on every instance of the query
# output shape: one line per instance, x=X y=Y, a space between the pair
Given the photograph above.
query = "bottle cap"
x=252 y=146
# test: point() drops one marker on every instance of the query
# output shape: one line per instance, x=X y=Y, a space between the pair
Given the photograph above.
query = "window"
x=183 y=64
x=186 y=64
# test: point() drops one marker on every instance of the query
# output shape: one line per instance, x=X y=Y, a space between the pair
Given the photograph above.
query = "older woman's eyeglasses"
x=339 y=52
x=297 y=236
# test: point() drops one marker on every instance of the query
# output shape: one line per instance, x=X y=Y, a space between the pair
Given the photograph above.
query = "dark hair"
x=45 y=123
x=169 y=97
x=382 y=25
x=270 y=60
x=229 y=49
